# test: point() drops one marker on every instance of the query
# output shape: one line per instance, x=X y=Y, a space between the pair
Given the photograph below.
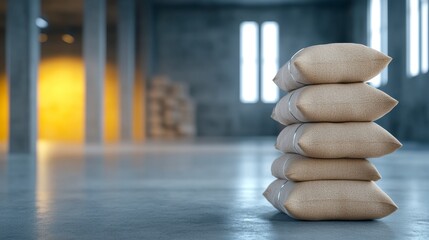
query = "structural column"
x=22 y=61
x=146 y=47
x=126 y=62
x=146 y=38
x=94 y=51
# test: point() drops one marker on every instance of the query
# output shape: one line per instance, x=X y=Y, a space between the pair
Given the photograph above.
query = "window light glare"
x=413 y=37
x=375 y=81
x=249 y=59
x=270 y=49
x=41 y=23
x=377 y=33
x=375 y=18
x=424 y=36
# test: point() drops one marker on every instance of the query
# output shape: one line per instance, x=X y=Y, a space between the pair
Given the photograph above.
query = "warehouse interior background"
x=172 y=98
x=197 y=44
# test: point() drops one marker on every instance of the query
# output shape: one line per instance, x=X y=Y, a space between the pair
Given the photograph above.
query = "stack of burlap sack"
x=329 y=111
x=171 y=111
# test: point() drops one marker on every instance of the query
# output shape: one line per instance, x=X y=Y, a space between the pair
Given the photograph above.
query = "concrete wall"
x=397 y=68
x=199 y=45
x=409 y=121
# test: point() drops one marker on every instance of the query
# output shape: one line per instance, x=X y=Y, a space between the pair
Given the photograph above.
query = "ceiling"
x=64 y=13
x=244 y=2
x=69 y=14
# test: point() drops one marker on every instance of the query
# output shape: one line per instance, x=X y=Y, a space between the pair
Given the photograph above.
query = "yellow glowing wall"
x=61 y=99
x=61 y=102
x=111 y=105
x=4 y=106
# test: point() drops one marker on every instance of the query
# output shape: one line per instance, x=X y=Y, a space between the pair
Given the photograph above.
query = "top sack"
x=331 y=63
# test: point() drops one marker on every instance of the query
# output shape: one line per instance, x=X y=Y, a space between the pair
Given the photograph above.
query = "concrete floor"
x=201 y=190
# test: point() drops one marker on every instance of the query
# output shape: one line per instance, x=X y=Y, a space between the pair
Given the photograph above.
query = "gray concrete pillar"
x=126 y=62
x=22 y=62
x=146 y=38
x=94 y=51
x=146 y=47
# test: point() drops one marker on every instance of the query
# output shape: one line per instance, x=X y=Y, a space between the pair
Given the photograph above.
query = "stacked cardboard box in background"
x=171 y=111
x=329 y=111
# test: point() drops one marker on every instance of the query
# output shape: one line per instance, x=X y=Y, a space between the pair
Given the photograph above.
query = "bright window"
x=424 y=36
x=255 y=86
x=270 y=59
x=377 y=34
x=249 y=61
x=417 y=37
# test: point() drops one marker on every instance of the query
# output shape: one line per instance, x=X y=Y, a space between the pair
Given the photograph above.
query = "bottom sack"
x=330 y=199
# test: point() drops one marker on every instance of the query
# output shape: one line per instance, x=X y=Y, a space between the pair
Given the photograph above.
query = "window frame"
x=417 y=37
x=380 y=29
x=262 y=79
x=249 y=62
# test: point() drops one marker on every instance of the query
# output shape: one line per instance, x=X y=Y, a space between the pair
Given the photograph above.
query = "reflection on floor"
x=194 y=190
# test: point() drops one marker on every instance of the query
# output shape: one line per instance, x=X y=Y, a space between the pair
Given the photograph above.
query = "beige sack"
x=356 y=102
x=299 y=168
x=331 y=63
x=337 y=140
x=330 y=199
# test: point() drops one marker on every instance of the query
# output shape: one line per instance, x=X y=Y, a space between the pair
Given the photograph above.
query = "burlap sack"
x=156 y=94
x=337 y=140
x=356 y=102
x=160 y=81
x=299 y=168
x=331 y=63
x=330 y=199
x=155 y=107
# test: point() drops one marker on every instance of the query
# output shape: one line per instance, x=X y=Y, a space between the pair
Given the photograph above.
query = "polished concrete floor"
x=206 y=189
